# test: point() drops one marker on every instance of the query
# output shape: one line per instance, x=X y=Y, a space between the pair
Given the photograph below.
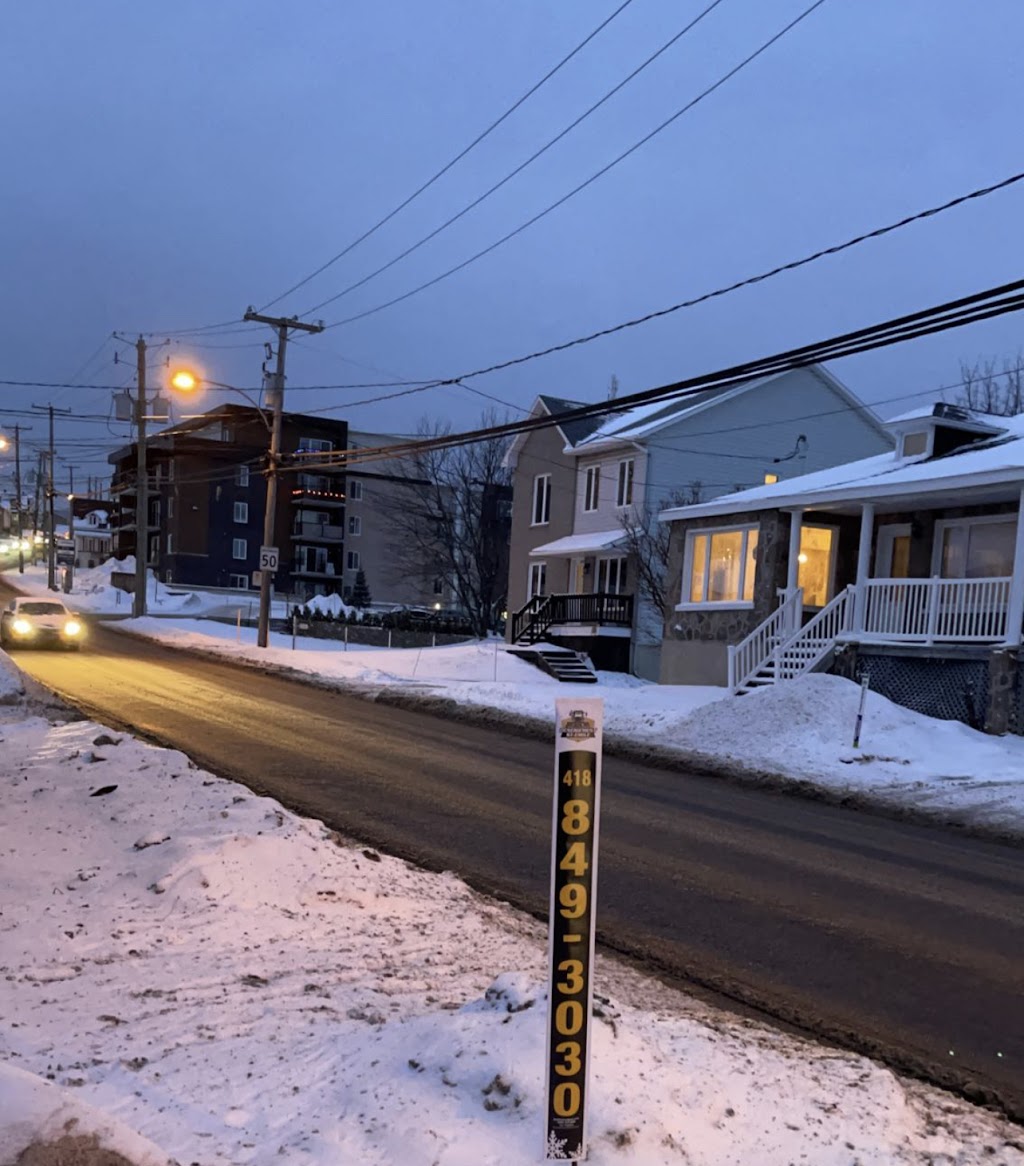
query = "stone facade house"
x=907 y=566
x=584 y=502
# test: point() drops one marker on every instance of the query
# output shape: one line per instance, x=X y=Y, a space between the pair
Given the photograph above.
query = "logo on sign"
x=577 y=726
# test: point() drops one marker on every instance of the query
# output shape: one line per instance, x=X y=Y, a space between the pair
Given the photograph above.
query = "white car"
x=37 y=623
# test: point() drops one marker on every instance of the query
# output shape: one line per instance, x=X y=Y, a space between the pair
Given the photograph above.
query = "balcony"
x=323 y=532
x=319 y=488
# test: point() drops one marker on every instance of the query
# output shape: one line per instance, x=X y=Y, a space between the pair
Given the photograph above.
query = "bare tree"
x=988 y=389
x=452 y=517
x=647 y=542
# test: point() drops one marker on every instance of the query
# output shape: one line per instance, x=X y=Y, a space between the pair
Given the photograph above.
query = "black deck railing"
x=532 y=620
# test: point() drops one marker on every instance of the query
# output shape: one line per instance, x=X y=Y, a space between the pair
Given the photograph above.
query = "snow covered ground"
x=240 y=985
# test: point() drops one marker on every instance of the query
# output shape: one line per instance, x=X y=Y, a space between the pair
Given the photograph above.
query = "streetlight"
x=186 y=381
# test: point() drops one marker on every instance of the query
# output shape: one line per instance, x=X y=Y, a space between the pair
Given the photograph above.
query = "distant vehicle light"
x=21 y=627
x=72 y=628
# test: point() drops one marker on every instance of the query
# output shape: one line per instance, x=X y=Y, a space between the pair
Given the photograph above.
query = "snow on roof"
x=636 y=422
x=994 y=460
x=578 y=544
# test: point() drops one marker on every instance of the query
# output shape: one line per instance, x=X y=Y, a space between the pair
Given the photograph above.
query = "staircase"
x=563 y=664
x=780 y=649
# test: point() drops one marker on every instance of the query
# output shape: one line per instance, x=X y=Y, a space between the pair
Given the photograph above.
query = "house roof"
x=636 y=424
x=573 y=430
x=580 y=544
x=993 y=461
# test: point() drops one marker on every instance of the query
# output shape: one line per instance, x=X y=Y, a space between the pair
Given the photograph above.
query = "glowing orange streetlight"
x=184 y=381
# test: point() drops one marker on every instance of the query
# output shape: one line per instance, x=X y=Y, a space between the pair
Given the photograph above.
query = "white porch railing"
x=930 y=610
x=748 y=657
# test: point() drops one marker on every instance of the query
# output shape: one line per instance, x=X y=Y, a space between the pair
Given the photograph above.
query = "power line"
x=983 y=305
x=458 y=158
x=593 y=178
x=522 y=166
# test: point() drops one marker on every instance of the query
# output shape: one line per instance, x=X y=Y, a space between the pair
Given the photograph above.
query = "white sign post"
x=268 y=559
x=572 y=915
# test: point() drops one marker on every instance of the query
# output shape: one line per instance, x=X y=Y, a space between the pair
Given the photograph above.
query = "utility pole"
x=141 y=487
x=21 y=501
x=275 y=398
x=35 y=507
x=51 y=494
x=70 y=581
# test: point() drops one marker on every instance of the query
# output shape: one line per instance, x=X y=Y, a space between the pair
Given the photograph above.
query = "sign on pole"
x=268 y=559
x=576 y=809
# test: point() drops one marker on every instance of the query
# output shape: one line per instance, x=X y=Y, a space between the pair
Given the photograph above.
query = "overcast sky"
x=165 y=165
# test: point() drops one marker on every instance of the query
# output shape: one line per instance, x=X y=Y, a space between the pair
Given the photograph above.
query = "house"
x=207 y=497
x=907 y=567
x=587 y=493
x=93 y=536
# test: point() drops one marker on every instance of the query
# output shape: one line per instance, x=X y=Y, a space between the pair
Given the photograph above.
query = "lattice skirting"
x=950 y=689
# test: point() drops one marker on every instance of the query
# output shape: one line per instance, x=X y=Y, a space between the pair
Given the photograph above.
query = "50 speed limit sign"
x=575 y=814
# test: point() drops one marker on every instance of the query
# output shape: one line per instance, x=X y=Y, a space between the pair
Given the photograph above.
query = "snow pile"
x=332 y=605
x=804 y=729
x=242 y=986
x=37 y=1114
x=92 y=591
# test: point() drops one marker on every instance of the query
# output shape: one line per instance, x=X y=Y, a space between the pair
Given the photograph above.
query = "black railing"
x=533 y=619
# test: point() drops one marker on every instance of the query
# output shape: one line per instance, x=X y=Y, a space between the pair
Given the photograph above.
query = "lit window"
x=624 y=494
x=770 y=479
x=592 y=488
x=721 y=566
x=541 y=500
x=814 y=570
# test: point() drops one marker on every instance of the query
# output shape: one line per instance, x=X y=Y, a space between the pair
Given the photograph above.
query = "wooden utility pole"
x=20 y=501
x=51 y=494
x=141 y=486
x=275 y=398
x=35 y=508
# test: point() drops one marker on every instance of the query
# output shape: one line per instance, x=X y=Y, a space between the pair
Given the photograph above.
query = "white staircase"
x=780 y=649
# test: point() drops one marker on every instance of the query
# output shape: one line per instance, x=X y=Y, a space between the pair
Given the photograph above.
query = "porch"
x=973 y=596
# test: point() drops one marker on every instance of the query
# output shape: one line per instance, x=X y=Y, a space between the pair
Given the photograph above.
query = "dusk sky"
x=166 y=165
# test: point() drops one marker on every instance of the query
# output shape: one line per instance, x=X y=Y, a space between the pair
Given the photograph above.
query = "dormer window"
x=915 y=443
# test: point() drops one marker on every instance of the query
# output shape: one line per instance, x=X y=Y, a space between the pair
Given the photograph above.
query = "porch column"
x=1015 y=605
x=796 y=521
x=867 y=530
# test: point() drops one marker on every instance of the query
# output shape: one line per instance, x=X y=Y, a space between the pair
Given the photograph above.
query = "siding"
x=607 y=516
x=541 y=453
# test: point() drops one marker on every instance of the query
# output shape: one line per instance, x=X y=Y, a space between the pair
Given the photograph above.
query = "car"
x=27 y=622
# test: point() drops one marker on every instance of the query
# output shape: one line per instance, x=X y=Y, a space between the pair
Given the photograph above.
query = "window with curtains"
x=720 y=566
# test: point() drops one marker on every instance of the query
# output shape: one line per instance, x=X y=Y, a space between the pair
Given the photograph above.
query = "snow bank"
x=63 y=1130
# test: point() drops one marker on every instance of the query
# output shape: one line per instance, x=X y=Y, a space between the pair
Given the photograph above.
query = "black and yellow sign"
x=576 y=808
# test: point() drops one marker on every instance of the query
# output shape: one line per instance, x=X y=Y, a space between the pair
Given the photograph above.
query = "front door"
x=577 y=576
x=892 y=556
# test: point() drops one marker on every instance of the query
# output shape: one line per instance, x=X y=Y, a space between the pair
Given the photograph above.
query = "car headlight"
x=21 y=627
x=72 y=628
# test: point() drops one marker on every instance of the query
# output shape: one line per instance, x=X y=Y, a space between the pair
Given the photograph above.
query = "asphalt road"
x=903 y=941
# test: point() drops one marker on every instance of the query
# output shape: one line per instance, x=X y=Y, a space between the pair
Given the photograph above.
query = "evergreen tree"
x=361 y=596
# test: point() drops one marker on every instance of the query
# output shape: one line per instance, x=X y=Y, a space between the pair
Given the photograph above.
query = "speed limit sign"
x=268 y=558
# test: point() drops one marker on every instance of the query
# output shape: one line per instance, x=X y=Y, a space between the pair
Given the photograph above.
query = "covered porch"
x=931 y=571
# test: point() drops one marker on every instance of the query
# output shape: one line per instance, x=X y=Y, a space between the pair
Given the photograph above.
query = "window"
x=611 y=576
x=592 y=488
x=241 y=512
x=170 y=544
x=538 y=581
x=976 y=548
x=720 y=566
x=439 y=586
x=624 y=493
x=170 y=506
x=239 y=548
x=541 y=500
x=355 y=524
x=239 y=581
x=315 y=445
x=816 y=563
x=355 y=491
x=241 y=475
x=914 y=443
x=352 y=560
x=770 y=479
